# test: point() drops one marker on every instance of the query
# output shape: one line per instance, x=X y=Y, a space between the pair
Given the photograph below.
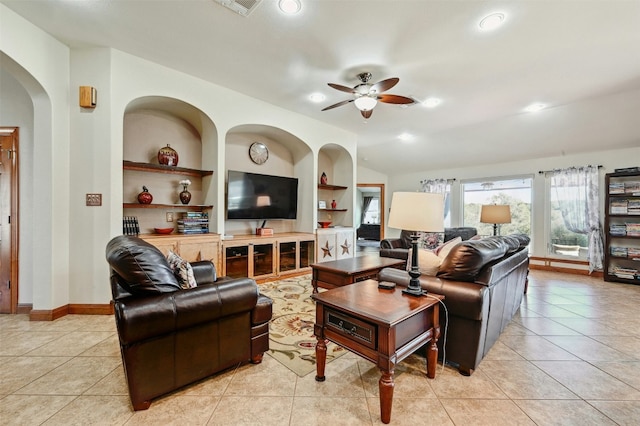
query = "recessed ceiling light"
x=290 y=7
x=317 y=97
x=405 y=137
x=535 y=107
x=431 y=102
x=492 y=21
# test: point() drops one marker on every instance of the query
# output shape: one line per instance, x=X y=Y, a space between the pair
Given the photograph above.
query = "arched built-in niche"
x=289 y=156
x=337 y=164
x=153 y=122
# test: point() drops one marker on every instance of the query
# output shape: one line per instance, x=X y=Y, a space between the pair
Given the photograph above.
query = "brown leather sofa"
x=170 y=337
x=398 y=248
x=483 y=282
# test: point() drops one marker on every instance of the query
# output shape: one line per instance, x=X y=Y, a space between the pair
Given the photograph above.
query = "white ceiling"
x=581 y=58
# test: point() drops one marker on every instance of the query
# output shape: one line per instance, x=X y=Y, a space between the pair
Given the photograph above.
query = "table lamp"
x=495 y=214
x=417 y=212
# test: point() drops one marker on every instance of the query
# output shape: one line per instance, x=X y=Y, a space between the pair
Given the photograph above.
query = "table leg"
x=432 y=359
x=385 y=386
x=321 y=359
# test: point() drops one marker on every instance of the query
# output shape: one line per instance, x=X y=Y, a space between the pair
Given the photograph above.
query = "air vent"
x=241 y=7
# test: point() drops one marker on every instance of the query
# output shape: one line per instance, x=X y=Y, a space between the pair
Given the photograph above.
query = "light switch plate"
x=169 y=216
x=94 y=199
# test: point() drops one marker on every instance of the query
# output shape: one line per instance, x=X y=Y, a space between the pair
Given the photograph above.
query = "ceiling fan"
x=367 y=95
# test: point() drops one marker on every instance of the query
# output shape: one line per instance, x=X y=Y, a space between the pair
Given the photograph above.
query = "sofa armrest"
x=391 y=243
x=397 y=253
x=204 y=272
x=140 y=318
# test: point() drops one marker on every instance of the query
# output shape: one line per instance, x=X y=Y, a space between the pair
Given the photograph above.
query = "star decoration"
x=345 y=246
x=326 y=250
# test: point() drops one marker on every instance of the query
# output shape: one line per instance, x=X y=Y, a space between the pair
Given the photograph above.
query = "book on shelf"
x=633 y=229
x=130 y=225
x=627 y=273
x=616 y=187
x=633 y=253
x=618 y=207
x=618 y=251
x=632 y=187
x=617 y=230
x=628 y=170
x=194 y=215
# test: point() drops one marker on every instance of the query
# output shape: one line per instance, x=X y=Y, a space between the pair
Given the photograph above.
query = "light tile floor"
x=571 y=356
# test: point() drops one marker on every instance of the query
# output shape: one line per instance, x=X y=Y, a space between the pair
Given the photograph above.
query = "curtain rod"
x=557 y=170
x=452 y=180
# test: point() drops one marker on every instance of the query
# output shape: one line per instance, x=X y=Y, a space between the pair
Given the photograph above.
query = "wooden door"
x=8 y=220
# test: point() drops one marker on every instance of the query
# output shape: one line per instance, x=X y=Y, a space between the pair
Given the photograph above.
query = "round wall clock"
x=258 y=152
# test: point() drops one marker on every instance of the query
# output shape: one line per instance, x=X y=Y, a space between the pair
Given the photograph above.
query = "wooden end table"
x=337 y=273
x=383 y=326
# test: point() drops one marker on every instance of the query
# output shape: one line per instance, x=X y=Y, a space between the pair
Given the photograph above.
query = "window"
x=562 y=241
x=514 y=192
x=372 y=214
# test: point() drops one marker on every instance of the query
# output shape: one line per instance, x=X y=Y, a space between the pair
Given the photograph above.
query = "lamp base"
x=414 y=288
x=419 y=292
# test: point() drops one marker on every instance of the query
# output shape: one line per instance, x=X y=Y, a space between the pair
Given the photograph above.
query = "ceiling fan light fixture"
x=492 y=21
x=290 y=7
x=431 y=102
x=366 y=103
x=535 y=107
x=317 y=97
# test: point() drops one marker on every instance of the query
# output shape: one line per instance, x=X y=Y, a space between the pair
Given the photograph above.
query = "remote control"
x=386 y=285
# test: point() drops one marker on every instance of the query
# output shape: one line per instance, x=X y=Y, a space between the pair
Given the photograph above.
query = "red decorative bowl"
x=324 y=224
x=163 y=230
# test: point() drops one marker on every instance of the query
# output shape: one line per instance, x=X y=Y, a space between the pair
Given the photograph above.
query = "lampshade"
x=417 y=211
x=366 y=103
x=495 y=213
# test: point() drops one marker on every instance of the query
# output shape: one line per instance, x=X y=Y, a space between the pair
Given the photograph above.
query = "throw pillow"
x=430 y=240
x=182 y=270
x=428 y=262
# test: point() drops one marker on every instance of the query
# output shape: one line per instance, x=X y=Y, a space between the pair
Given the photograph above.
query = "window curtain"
x=366 y=202
x=439 y=186
x=577 y=194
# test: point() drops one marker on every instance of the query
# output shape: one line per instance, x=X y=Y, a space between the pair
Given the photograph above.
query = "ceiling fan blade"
x=395 y=99
x=383 y=85
x=342 y=88
x=338 y=104
x=367 y=114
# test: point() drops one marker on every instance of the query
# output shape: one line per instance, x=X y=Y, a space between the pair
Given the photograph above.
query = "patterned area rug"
x=292 y=342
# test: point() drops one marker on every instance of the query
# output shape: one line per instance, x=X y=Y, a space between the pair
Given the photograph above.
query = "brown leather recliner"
x=170 y=337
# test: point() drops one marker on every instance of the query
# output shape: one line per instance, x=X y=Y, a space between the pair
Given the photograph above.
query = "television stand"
x=267 y=257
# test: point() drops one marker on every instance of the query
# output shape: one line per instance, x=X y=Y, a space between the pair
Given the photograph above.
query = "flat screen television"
x=261 y=197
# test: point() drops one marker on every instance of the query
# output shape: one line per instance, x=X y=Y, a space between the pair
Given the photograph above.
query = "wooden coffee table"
x=383 y=326
x=337 y=273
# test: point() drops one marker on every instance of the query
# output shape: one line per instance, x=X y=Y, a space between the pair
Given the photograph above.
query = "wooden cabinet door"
x=344 y=244
x=164 y=244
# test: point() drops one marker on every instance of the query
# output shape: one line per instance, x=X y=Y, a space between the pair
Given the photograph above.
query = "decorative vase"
x=334 y=204
x=185 y=196
x=145 y=196
x=323 y=178
x=168 y=156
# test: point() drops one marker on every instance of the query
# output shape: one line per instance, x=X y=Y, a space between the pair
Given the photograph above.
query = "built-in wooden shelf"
x=165 y=206
x=331 y=187
x=332 y=210
x=159 y=168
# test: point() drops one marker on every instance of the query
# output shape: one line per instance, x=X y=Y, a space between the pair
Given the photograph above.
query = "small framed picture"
x=322 y=204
